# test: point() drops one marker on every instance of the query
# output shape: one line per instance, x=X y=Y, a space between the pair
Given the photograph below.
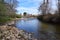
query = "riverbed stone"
x=12 y=33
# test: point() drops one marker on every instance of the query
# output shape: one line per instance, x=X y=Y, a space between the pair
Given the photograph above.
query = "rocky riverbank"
x=10 y=32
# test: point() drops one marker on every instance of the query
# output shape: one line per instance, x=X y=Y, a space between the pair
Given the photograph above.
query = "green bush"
x=4 y=19
x=18 y=16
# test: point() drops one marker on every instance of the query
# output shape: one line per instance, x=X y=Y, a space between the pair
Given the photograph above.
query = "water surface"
x=42 y=31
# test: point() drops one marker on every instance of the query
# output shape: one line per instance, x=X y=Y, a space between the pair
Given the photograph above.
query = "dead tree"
x=59 y=7
x=44 y=7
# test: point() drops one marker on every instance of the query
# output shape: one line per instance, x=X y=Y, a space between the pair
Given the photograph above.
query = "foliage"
x=25 y=13
x=18 y=16
x=7 y=10
x=4 y=19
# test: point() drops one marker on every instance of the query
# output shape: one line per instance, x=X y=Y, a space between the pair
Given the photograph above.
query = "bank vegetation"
x=46 y=13
x=8 y=10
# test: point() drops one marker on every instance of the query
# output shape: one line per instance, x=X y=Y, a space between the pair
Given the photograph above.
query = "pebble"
x=12 y=33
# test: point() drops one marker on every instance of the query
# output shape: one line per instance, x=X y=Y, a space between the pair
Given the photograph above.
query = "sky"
x=30 y=6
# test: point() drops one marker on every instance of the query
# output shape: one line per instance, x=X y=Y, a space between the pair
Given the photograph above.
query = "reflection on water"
x=29 y=25
x=49 y=32
x=42 y=31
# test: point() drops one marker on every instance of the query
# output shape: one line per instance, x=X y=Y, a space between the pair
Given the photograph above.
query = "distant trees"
x=25 y=13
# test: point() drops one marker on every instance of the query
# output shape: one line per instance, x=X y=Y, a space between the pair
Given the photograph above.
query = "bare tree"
x=59 y=7
x=11 y=5
x=44 y=7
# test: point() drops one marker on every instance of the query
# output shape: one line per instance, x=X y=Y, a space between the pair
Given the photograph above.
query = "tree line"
x=8 y=10
x=45 y=7
x=46 y=11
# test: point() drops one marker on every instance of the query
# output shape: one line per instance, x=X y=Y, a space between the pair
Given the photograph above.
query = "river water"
x=42 y=31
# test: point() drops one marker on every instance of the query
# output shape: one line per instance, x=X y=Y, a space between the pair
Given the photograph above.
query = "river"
x=42 y=31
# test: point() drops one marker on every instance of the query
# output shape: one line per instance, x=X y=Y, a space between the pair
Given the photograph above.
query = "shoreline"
x=50 y=20
x=10 y=32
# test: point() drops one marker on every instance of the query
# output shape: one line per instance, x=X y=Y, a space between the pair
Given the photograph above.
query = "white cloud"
x=28 y=10
x=32 y=9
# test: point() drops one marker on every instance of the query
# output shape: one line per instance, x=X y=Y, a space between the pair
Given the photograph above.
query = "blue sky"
x=30 y=6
